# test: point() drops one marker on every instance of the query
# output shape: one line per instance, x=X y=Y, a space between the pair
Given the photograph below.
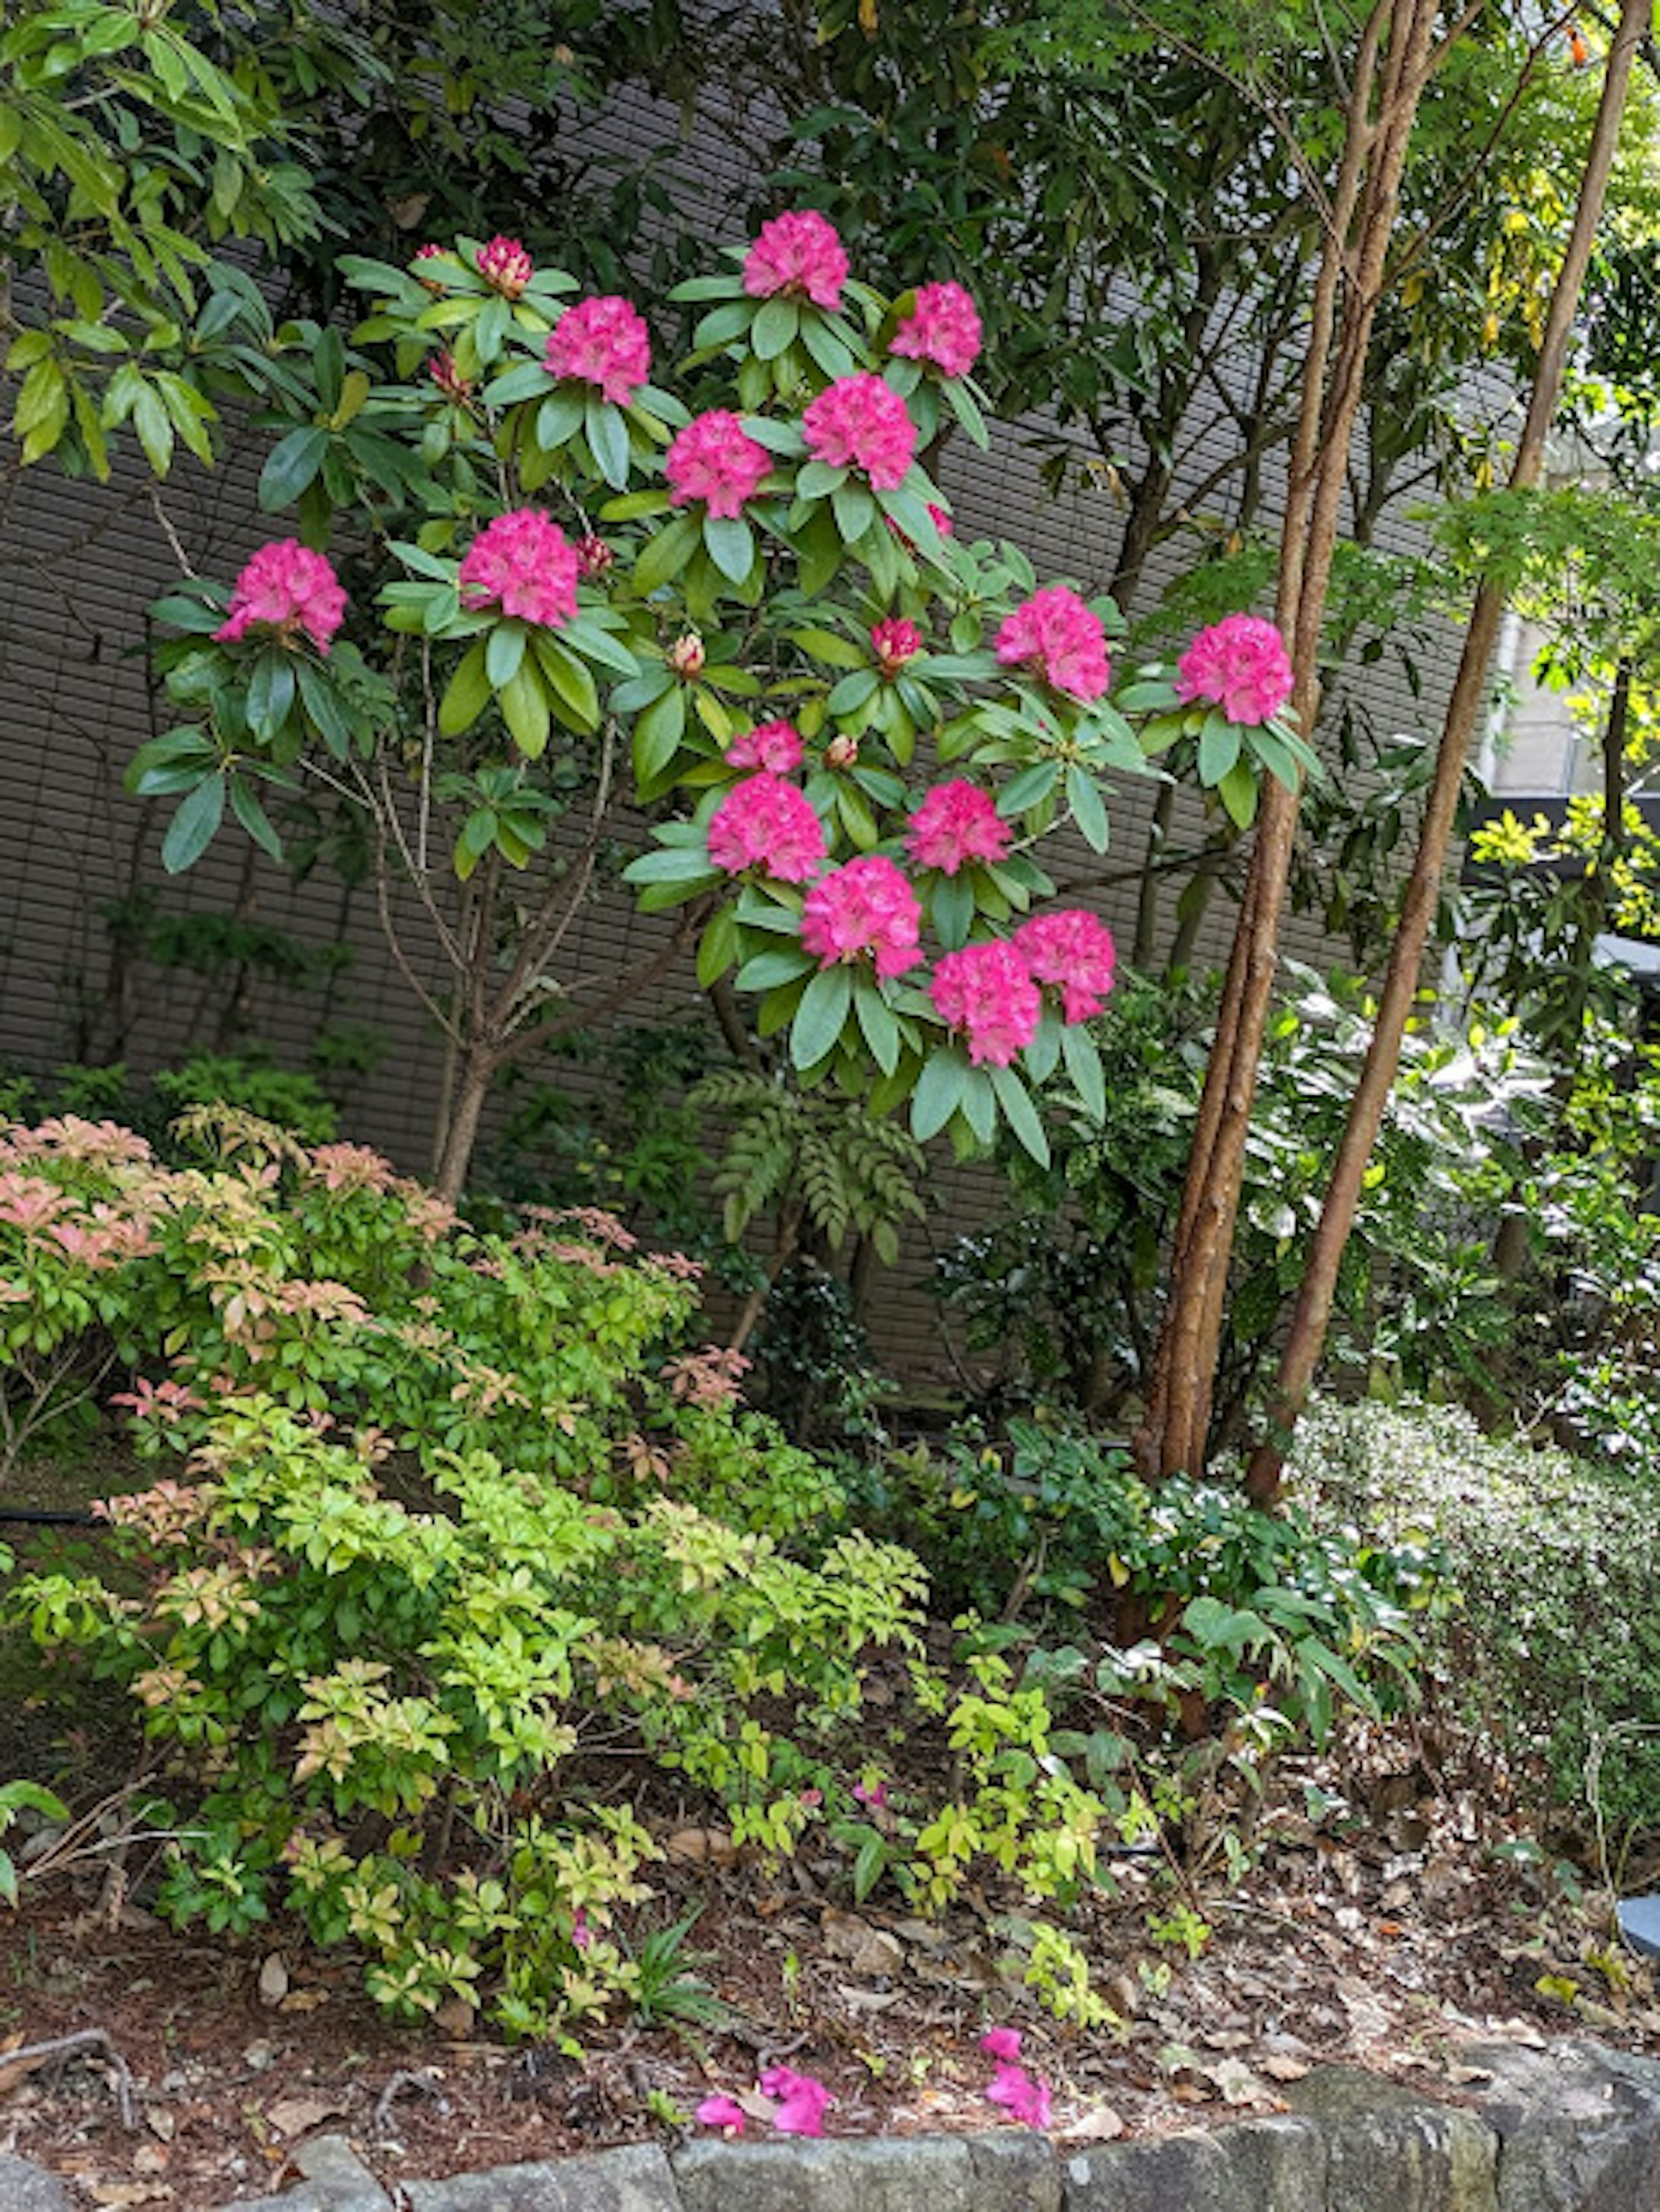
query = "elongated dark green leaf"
x=1028 y=788
x=271 y=692
x=504 y=649
x=731 y=545
x=290 y=466
x=774 y=327
x=717 y=949
x=192 y=828
x=876 y=1019
x=767 y=971
x=1218 y=749
x=1088 y=808
x=657 y=735
x=466 y=694
x=938 y=1094
x=608 y=441
x=820 y=1017
x=245 y=805
x=664 y=555
x=1084 y=1067
x=1020 y=1114
x=525 y=710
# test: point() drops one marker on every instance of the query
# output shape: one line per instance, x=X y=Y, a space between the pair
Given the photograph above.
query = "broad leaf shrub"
x=1554 y=1648
x=470 y=1566
x=735 y=571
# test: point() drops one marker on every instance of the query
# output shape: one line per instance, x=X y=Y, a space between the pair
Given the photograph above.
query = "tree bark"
x=1393 y=63
x=1313 y=1312
x=475 y=1066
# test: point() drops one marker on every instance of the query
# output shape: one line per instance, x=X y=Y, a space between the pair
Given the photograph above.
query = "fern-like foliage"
x=847 y=1171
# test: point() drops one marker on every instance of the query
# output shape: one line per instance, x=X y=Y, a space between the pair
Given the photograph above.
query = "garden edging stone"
x=1575 y=2129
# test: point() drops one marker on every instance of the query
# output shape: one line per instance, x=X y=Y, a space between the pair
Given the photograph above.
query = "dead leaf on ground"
x=298 y=2116
x=697 y=1845
x=1102 y=2125
x=1279 y=2066
x=868 y=1950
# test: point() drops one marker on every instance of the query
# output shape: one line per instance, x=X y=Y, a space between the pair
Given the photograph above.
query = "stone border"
x=1575 y=2128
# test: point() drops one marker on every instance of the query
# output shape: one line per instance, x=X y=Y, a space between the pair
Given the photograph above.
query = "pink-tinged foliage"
x=602 y=341
x=286 y=588
x=943 y=327
x=505 y=265
x=802 y=2100
x=864 y=906
x=707 y=1379
x=766 y=824
x=985 y=993
x=956 y=822
x=1239 y=664
x=1074 y=951
x=894 y=641
x=522 y=564
x=1022 y=2097
x=860 y=422
x=714 y=459
x=774 y=746
x=166 y=1402
x=800 y=253
x=722 y=2112
x=1056 y=635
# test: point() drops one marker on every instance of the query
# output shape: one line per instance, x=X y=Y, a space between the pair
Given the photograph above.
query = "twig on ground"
x=29 y=2057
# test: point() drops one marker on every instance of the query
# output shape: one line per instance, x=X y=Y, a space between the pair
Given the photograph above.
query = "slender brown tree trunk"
x=475 y=1068
x=1313 y=1312
x=1393 y=63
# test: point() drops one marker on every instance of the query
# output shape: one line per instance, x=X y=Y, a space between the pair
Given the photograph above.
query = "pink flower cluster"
x=1022 y=2096
x=986 y=992
x=894 y=641
x=943 y=327
x=522 y=564
x=774 y=746
x=714 y=459
x=860 y=422
x=603 y=342
x=800 y=253
x=799 y=2109
x=766 y=824
x=956 y=822
x=990 y=991
x=1054 y=633
x=1074 y=951
x=1241 y=666
x=286 y=588
x=505 y=265
x=864 y=906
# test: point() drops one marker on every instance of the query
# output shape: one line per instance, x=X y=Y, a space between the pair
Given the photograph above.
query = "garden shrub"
x=1555 y=1647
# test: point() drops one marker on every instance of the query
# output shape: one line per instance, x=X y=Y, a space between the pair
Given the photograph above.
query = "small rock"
x=273 y=1980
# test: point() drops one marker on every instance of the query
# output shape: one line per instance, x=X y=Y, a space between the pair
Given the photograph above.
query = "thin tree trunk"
x=1392 y=66
x=1313 y=1312
x=474 y=1071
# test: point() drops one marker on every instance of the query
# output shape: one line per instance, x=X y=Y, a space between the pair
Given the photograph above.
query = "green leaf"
x=717 y=949
x=1028 y=788
x=657 y=735
x=826 y=645
x=245 y=805
x=290 y=465
x=818 y=479
x=526 y=712
x=773 y=329
x=504 y=649
x=664 y=555
x=876 y=1020
x=466 y=694
x=938 y=1094
x=854 y=511
x=1083 y=1060
x=270 y=693
x=155 y=427
x=771 y=970
x=570 y=679
x=730 y=544
x=194 y=827
x=979 y=1104
x=820 y=1017
x=1218 y=749
x=951 y=909
x=1020 y=1114
x=1237 y=791
x=608 y=441
x=853 y=691
x=1088 y=808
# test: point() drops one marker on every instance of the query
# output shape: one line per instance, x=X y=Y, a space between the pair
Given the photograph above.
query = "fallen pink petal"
x=722 y=2112
x=1021 y=2096
x=1001 y=2043
x=801 y=2100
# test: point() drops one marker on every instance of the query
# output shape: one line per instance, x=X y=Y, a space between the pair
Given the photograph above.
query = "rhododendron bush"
x=853 y=731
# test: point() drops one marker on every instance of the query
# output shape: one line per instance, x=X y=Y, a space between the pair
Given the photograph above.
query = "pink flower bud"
x=686 y=654
x=449 y=380
x=842 y=752
x=594 y=557
x=506 y=266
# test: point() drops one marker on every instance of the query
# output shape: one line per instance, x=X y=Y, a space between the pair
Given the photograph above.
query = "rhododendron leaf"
x=721 y=325
x=595 y=642
x=963 y=403
x=818 y=480
x=827 y=646
x=1030 y=788
x=526 y=711
x=717 y=948
x=939 y=1093
x=245 y=805
x=876 y=1019
x=270 y=693
x=1237 y=791
x=1020 y=1114
x=979 y=1104
x=820 y=1017
x=608 y=441
x=466 y=694
x=327 y=711
x=1088 y=810
x=559 y=418
x=570 y=678
x=504 y=649
x=950 y=910
x=664 y=556
x=1083 y=1066
x=1218 y=749
x=854 y=510
x=628 y=505
x=652 y=682
x=185 y=613
x=192 y=828
x=827 y=348
x=853 y=692
x=1275 y=756
x=819 y=550
x=856 y=818
x=490 y=330
x=657 y=735
x=705 y=288
x=773 y=329
x=289 y=467
x=730 y=544
x=770 y=970
x=523 y=380
x=1045 y=1050
x=670 y=864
